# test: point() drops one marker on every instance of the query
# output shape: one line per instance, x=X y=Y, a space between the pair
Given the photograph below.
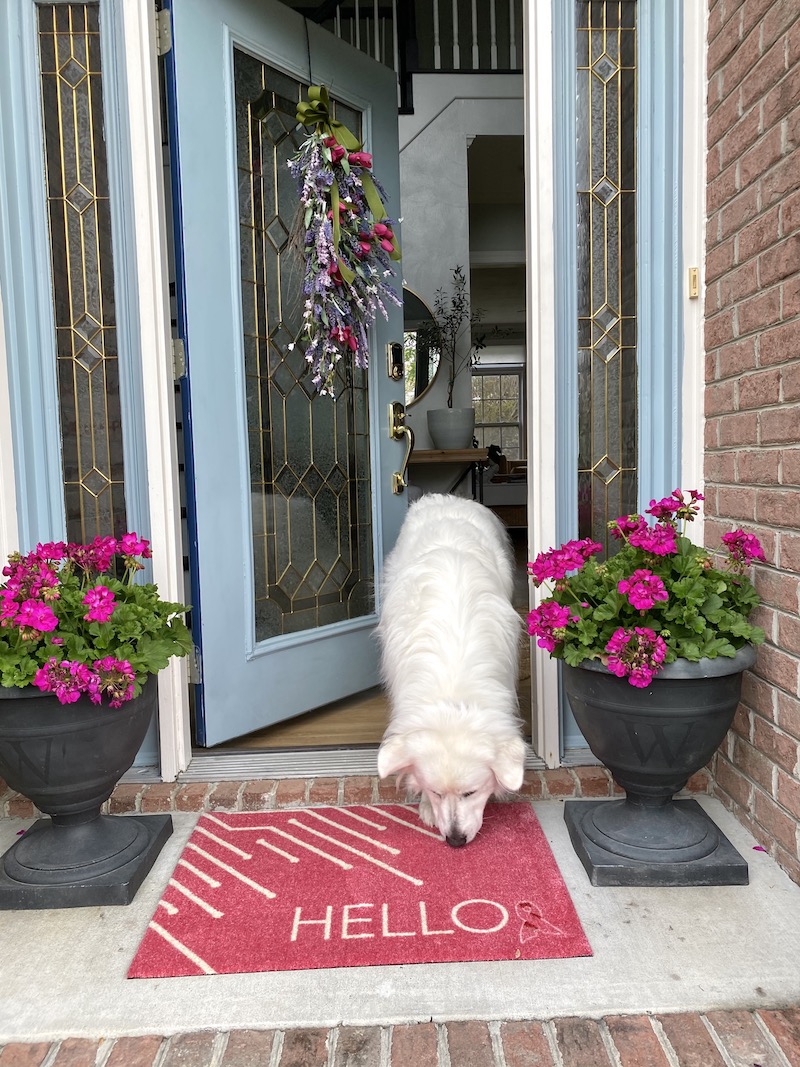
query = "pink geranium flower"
x=101 y=603
x=643 y=589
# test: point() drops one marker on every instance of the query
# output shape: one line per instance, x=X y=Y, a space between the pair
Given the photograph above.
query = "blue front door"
x=290 y=506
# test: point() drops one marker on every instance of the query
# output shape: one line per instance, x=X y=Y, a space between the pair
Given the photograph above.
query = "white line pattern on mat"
x=183 y=949
x=213 y=912
x=311 y=848
x=225 y=844
x=408 y=825
x=357 y=852
x=200 y=874
x=354 y=833
x=232 y=870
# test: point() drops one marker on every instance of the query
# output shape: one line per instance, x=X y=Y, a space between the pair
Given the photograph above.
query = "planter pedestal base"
x=99 y=862
x=623 y=844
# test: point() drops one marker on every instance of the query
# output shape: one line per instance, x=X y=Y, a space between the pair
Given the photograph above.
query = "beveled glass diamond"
x=605 y=67
x=95 y=482
x=605 y=469
x=79 y=197
x=605 y=191
x=72 y=72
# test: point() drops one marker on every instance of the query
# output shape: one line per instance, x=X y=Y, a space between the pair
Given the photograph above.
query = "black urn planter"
x=67 y=760
x=652 y=740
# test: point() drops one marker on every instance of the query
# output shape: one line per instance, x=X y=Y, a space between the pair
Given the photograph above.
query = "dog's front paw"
x=426 y=811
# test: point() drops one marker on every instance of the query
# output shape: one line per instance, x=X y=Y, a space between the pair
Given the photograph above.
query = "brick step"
x=715 y=1039
x=265 y=794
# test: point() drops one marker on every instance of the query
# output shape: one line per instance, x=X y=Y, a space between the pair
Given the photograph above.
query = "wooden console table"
x=472 y=460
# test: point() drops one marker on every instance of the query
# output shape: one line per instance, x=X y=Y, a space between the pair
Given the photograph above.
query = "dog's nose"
x=456 y=840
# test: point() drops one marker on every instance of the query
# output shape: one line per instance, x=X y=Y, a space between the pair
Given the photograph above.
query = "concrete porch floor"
x=707 y=954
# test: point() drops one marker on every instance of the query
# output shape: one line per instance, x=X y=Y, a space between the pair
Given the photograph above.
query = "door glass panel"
x=309 y=456
x=82 y=269
x=606 y=187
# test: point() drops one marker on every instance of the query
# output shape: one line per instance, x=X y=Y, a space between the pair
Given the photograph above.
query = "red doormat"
x=354 y=887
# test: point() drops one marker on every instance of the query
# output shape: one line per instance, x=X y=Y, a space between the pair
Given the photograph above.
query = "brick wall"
x=752 y=341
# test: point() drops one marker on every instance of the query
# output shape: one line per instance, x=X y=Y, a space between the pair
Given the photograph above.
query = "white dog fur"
x=449 y=653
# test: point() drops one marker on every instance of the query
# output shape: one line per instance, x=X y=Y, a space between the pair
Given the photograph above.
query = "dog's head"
x=456 y=771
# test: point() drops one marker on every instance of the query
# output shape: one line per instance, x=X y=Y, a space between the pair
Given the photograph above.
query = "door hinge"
x=163 y=33
x=178 y=358
x=195 y=666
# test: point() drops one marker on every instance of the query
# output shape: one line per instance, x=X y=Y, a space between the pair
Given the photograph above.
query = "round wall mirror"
x=421 y=360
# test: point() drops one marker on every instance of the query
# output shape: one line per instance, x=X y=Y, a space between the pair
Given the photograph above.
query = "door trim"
x=541 y=345
x=158 y=387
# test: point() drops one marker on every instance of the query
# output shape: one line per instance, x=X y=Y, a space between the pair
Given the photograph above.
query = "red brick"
x=719 y=398
x=781 y=180
x=189 y=1050
x=125 y=798
x=134 y=1052
x=20 y=1055
x=738 y=429
x=248 y=1048
x=788 y=714
x=780 y=262
x=758 y=159
x=225 y=796
x=757 y=694
x=790 y=382
x=758 y=235
x=636 y=1041
x=789 y=633
x=767 y=72
x=525 y=1045
x=719 y=329
x=759 y=311
x=788 y=862
x=76 y=1052
x=358 y=789
x=304 y=1048
x=790 y=467
x=781 y=98
x=754 y=764
x=739 y=284
x=721 y=467
x=191 y=797
x=780 y=344
x=761 y=389
x=731 y=780
x=775 y=745
x=790 y=551
x=158 y=797
x=759 y=467
x=470 y=1044
x=388 y=790
x=559 y=783
x=290 y=792
x=691 y=1041
x=741 y=1038
x=258 y=795
x=778 y=17
x=593 y=781
x=324 y=791
x=739 y=63
x=580 y=1043
x=777 y=667
x=699 y=782
x=736 y=503
x=788 y=793
x=721 y=191
x=725 y=43
x=790 y=206
x=415 y=1045
x=779 y=590
x=719 y=260
x=778 y=507
x=722 y=119
x=532 y=784
x=19 y=807
x=358 y=1046
x=775 y=821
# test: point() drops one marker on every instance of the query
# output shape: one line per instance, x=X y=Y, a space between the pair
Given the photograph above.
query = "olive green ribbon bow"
x=316 y=112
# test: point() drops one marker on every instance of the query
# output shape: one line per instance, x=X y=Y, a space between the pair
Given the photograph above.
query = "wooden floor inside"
x=361 y=719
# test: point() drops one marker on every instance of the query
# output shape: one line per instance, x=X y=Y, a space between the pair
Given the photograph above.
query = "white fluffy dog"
x=449 y=650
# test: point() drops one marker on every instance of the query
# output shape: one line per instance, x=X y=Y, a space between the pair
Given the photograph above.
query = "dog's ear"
x=508 y=765
x=393 y=756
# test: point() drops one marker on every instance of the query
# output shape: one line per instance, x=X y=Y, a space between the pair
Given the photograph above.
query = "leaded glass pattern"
x=309 y=456
x=82 y=269
x=606 y=245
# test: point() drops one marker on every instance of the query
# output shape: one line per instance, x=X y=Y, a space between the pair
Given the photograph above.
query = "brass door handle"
x=397 y=431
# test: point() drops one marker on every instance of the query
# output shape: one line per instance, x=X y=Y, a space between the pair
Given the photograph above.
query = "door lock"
x=397 y=431
x=395 y=365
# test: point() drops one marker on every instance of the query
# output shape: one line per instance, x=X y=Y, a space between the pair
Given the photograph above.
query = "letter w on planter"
x=652 y=740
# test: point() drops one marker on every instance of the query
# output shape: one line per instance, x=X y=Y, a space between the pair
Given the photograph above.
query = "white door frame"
x=151 y=256
x=154 y=324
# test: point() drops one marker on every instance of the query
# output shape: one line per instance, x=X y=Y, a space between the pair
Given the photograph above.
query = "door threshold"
x=245 y=765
